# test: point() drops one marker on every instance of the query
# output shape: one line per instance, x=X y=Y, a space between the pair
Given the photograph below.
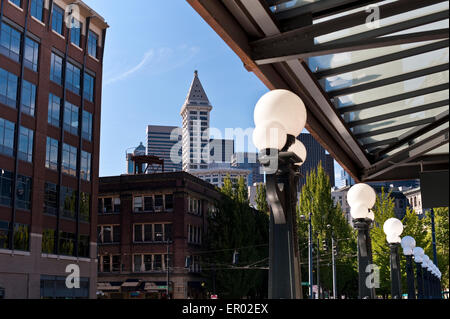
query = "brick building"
x=50 y=105
x=142 y=220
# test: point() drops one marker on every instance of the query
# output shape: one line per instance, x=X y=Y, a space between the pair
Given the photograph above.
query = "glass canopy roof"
x=374 y=75
x=357 y=82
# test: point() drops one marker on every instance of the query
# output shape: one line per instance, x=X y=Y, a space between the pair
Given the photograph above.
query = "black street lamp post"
x=361 y=198
x=280 y=116
x=364 y=259
x=396 y=281
x=393 y=228
x=408 y=245
x=418 y=259
x=426 y=277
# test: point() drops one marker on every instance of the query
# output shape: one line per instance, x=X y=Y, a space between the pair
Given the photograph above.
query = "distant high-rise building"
x=345 y=179
x=161 y=141
x=140 y=150
x=195 y=130
x=248 y=161
x=221 y=150
x=315 y=154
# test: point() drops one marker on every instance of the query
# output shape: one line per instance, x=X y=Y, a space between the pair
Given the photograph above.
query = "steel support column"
x=366 y=290
x=396 y=280
x=410 y=277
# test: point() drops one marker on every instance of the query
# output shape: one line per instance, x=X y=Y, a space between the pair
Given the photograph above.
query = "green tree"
x=383 y=210
x=413 y=226
x=315 y=198
x=441 y=217
x=235 y=226
x=261 y=199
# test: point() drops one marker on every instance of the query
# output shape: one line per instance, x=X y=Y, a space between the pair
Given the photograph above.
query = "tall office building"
x=50 y=107
x=161 y=142
x=315 y=154
x=248 y=161
x=195 y=113
x=221 y=150
x=131 y=165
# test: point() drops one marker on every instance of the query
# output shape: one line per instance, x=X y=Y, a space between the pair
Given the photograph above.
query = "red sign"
x=214 y=297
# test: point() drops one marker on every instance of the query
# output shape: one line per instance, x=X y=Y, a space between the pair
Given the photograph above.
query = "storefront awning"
x=106 y=286
x=373 y=74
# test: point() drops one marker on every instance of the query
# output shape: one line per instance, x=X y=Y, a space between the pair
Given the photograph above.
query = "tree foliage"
x=441 y=217
x=315 y=198
x=413 y=226
x=235 y=226
x=261 y=199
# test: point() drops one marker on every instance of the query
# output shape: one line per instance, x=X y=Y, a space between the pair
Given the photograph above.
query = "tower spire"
x=196 y=95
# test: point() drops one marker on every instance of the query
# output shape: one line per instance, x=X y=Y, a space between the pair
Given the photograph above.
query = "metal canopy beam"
x=392 y=115
x=382 y=59
x=379 y=143
x=412 y=170
x=394 y=98
x=393 y=28
x=388 y=81
x=321 y=8
x=394 y=128
x=414 y=133
x=349 y=20
x=292 y=43
x=407 y=155
x=296 y=49
x=226 y=26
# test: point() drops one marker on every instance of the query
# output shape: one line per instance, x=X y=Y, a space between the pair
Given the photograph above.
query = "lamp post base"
x=365 y=279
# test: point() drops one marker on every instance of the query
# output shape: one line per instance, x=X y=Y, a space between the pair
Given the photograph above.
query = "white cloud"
x=158 y=61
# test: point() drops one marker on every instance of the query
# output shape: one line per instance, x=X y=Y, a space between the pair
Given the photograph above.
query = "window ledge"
x=14 y=252
x=59 y=35
x=76 y=46
x=61 y=257
x=94 y=58
x=37 y=20
x=15 y=5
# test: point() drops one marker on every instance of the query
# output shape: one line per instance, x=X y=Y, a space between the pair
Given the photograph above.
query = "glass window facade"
x=71 y=118
x=48 y=241
x=31 y=54
x=75 y=32
x=67 y=244
x=6 y=137
x=37 y=9
x=87 y=126
x=89 y=82
x=73 y=78
x=56 y=67
x=83 y=246
x=51 y=154
x=57 y=19
x=85 y=167
x=21 y=237
x=50 y=199
x=28 y=98
x=68 y=202
x=8 y=88
x=25 y=152
x=69 y=160
x=23 y=198
x=5 y=187
x=10 y=42
x=92 y=44
x=85 y=207
x=54 y=104
x=53 y=287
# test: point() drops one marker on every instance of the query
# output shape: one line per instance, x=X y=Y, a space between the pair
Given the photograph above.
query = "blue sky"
x=152 y=50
